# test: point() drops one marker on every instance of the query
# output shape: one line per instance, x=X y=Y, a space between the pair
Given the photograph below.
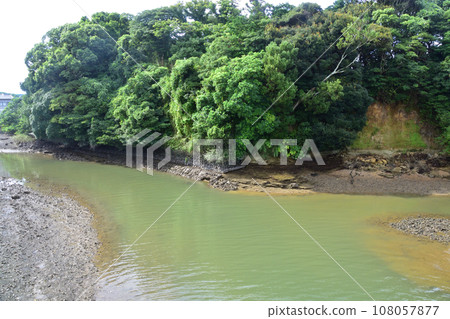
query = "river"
x=214 y=245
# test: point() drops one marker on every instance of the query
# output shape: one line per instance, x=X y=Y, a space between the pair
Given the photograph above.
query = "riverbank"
x=47 y=245
x=374 y=173
x=281 y=180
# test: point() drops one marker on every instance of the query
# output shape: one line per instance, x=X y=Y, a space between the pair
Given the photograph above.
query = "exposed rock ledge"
x=376 y=172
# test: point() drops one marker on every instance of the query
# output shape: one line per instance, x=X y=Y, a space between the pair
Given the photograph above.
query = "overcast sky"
x=23 y=23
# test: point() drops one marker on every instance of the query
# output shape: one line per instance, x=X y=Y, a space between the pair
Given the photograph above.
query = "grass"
x=22 y=138
x=400 y=135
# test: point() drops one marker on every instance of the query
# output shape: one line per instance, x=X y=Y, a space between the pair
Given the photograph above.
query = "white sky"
x=23 y=23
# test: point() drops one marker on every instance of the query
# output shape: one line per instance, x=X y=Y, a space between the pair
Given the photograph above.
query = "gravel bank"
x=434 y=228
x=47 y=246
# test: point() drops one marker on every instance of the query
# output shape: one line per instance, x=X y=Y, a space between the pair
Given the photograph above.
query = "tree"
x=15 y=117
x=204 y=69
x=140 y=105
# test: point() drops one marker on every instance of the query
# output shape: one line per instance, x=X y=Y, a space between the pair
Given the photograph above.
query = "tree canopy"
x=208 y=69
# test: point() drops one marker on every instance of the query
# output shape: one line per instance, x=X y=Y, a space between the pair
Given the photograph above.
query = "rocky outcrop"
x=215 y=179
x=399 y=164
x=396 y=126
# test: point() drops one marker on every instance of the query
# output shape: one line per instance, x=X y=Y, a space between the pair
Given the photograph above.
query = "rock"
x=386 y=175
x=441 y=174
x=293 y=186
x=15 y=197
x=397 y=170
x=314 y=174
x=422 y=167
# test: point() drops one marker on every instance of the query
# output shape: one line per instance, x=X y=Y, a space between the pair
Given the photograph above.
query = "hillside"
x=211 y=70
x=395 y=127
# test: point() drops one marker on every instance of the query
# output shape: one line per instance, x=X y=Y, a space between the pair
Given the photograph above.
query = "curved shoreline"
x=417 y=174
x=59 y=272
x=47 y=247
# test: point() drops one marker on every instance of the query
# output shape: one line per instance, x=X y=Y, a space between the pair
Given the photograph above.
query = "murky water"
x=213 y=245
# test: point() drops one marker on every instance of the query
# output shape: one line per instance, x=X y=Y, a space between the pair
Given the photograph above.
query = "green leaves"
x=208 y=70
x=280 y=72
x=139 y=104
x=15 y=117
x=319 y=101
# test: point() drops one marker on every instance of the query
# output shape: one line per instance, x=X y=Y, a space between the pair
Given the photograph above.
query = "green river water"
x=214 y=245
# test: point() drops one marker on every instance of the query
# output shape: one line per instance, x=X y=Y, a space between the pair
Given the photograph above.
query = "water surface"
x=214 y=245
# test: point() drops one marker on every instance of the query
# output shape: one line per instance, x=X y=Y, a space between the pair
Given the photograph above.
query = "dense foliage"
x=208 y=69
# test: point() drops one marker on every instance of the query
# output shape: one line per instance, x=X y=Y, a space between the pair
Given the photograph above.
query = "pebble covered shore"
x=47 y=246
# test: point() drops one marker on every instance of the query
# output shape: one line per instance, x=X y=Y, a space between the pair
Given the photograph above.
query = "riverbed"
x=214 y=245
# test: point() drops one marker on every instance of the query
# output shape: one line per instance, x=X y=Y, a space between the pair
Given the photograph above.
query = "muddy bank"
x=433 y=228
x=379 y=172
x=47 y=246
x=6 y=142
x=394 y=174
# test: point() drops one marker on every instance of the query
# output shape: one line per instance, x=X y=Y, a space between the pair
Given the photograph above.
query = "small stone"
x=293 y=186
x=386 y=175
